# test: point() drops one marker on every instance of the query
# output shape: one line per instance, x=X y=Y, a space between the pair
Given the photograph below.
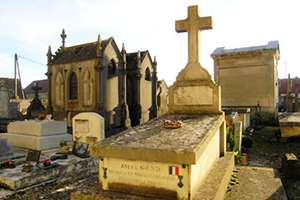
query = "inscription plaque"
x=81 y=126
x=193 y=95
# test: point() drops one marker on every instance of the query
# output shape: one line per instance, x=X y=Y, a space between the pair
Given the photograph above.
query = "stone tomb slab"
x=165 y=163
x=290 y=124
x=67 y=169
x=37 y=134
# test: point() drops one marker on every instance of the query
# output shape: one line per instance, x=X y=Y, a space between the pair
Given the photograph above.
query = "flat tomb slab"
x=15 y=179
x=37 y=127
x=165 y=163
x=290 y=124
x=151 y=142
x=36 y=143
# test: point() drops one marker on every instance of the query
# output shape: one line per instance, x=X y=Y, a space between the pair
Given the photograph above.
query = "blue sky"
x=28 y=27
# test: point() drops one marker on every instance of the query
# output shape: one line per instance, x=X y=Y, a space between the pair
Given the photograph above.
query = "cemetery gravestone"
x=238 y=130
x=5 y=149
x=4 y=100
x=88 y=127
x=171 y=163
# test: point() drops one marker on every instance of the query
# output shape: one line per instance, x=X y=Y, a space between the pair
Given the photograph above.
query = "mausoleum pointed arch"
x=73 y=87
x=147 y=74
x=112 y=67
x=87 y=87
x=59 y=89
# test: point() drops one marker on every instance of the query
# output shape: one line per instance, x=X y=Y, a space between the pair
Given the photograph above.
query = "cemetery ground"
x=265 y=155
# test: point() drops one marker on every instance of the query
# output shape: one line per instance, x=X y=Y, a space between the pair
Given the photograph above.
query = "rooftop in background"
x=269 y=46
x=10 y=83
x=283 y=85
x=41 y=83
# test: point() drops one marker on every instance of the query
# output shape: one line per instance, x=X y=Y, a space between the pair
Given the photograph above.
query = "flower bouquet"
x=7 y=164
x=46 y=162
x=27 y=167
x=172 y=124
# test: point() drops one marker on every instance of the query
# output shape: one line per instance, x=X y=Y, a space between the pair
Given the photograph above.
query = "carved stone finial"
x=63 y=36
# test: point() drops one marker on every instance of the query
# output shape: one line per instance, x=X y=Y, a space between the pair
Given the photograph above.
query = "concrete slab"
x=256 y=183
x=15 y=179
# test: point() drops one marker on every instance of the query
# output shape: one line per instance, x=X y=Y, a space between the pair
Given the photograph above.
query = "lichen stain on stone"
x=142 y=190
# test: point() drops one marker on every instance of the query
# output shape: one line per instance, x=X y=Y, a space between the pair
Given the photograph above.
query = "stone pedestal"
x=289 y=124
x=37 y=134
x=153 y=161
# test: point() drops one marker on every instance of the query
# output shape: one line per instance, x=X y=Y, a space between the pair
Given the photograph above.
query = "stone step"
x=216 y=182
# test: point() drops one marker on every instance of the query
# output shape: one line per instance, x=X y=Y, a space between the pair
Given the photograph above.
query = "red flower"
x=8 y=161
x=46 y=161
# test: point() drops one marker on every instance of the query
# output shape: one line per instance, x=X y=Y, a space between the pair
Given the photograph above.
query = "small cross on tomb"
x=36 y=89
x=193 y=24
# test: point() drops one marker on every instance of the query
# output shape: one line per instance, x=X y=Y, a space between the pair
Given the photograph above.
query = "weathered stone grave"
x=171 y=163
x=289 y=124
x=88 y=127
x=37 y=134
x=4 y=100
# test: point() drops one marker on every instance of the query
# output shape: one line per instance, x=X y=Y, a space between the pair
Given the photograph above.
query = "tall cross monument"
x=194 y=90
x=193 y=24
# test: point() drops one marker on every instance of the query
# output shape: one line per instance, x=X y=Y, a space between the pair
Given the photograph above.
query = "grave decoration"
x=66 y=147
x=33 y=155
x=7 y=164
x=46 y=164
x=172 y=124
x=27 y=167
x=81 y=150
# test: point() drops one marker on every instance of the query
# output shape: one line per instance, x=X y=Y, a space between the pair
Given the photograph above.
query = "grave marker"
x=238 y=131
x=88 y=128
x=33 y=155
x=4 y=100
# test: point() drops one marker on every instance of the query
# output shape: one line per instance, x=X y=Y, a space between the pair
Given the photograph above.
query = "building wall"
x=146 y=90
x=247 y=78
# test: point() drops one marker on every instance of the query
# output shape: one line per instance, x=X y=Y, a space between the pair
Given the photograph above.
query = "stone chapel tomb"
x=155 y=161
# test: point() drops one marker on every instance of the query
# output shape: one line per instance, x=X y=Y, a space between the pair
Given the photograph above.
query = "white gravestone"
x=88 y=127
x=238 y=130
x=4 y=101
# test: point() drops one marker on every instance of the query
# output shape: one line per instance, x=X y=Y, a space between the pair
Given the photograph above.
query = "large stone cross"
x=193 y=24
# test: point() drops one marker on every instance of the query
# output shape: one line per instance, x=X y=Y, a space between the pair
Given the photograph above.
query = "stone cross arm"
x=193 y=24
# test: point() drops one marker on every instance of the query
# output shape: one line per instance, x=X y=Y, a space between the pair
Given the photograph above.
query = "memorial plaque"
x=33 y=155
x=82 y=125
x=81 y=150
x=193 y=95
x=65 y=147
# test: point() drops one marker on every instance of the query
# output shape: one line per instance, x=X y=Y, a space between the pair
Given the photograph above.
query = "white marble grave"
x=37 y=134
